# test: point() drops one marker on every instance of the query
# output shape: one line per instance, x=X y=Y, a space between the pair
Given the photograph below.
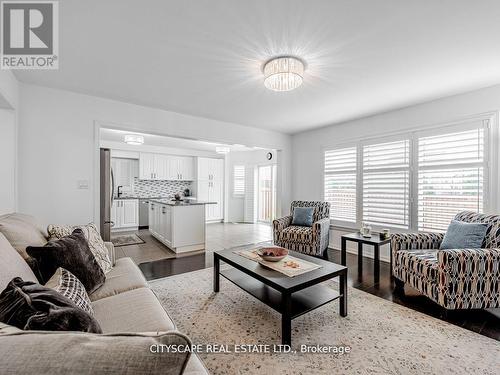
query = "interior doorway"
x=266 y=194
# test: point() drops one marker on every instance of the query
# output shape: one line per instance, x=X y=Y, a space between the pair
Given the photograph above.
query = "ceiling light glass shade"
x=133 y=139
x=283 y=73
x=222 y=149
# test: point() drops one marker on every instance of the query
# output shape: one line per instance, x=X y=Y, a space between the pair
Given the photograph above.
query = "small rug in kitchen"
x=126 y=239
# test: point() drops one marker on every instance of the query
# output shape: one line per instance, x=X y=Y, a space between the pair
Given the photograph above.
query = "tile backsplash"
x=159 y=188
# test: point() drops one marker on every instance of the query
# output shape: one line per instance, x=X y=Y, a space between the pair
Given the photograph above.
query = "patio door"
x=266 y=195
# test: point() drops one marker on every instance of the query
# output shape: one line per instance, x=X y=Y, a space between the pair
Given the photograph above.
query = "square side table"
x=374 y=241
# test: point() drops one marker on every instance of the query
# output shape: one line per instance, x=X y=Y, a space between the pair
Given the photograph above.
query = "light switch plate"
x=83 y=184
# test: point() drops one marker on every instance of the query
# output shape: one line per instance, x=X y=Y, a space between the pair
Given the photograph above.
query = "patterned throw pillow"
x=69 y=286
x=93 y=237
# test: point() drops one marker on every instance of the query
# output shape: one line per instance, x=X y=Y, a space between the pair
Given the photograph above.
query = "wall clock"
x=269 y=156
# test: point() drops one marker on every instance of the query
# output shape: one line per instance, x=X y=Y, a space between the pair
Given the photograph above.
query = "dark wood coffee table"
x=290 y=296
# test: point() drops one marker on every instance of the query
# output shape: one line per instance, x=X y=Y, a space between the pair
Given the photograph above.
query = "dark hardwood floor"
x=484 y=322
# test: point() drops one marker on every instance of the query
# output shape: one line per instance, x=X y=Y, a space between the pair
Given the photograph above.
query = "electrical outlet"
x=83 y=184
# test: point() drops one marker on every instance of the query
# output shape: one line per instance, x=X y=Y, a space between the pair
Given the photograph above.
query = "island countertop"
x=172 y=202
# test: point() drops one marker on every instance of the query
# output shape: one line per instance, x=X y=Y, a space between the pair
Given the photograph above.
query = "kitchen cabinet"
x=180 y=168
x=210 y=186
x=146 y=166
x=152 y=166
x=125 y=214
x=154 y=219
x=180 y=228
x=164 y=228
x=166 y=167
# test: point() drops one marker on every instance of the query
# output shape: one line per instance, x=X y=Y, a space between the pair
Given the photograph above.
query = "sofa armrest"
x=111 y=252
x=321 y=228
x=413 y=241
x=321 y=234
x=279 y=225
x=469 y=278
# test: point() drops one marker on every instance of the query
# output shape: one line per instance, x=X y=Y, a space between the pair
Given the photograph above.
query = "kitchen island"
x=180 y=225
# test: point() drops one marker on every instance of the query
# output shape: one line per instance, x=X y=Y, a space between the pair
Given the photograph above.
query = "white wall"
x=57 y=147
x=9 y=90
x=7 y=161
x=9 y=105
x=308 y=147
x=235 y=205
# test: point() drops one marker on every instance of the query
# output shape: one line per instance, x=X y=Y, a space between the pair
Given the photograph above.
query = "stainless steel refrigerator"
x=107 y=187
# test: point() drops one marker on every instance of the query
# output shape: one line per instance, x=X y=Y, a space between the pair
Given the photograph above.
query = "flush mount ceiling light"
x=133 y=139
x=222 y=149
x=283 y=73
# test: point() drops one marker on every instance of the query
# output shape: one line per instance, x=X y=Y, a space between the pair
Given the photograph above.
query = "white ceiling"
x=204 y=57
x=114 y=135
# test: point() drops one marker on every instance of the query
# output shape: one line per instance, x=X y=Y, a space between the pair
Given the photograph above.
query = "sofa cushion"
x=31 y=306
x=492 y=237
x=12 y=264
x=462 y=235
x=124 y=276
x=295 y=233
x=72 y=253
x=6 y=329
x=418 y=268
x=96 y=244
x=195 y=366
x=69 y=286
x=22 y=231
x=303 y=216
x=137 y=310
x=71 y=353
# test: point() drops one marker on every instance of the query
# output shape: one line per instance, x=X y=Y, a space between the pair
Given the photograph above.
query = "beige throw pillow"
x=96 y=244
x=69 y=286
x=21 y=231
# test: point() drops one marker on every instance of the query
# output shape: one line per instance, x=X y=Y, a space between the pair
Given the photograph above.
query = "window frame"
x=489 y=122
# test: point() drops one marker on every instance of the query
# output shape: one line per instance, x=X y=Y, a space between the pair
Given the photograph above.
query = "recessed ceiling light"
x=133 y=139
x=283 y=73
x=222 y=149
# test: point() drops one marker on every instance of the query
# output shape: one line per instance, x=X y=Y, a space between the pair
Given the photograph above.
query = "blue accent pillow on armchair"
x=303 y=216
x=461 y=235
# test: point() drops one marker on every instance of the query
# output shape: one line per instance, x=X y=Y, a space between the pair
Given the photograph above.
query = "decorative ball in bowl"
x=272 y=254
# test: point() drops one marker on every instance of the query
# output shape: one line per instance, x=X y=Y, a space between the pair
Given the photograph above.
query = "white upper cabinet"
x=166 y=167
x=161 y=167
x=146 y=166
x=210 y=169
x=186 y=168
x=180 y=168
x=203 y=168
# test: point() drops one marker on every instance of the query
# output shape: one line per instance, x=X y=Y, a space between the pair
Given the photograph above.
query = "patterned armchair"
x=308 y=240
x=455 y=278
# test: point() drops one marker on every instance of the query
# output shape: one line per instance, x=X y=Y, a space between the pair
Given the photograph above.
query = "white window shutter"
x=450 y=177
x=340 y=183
x=239 y=180
x=386 y=184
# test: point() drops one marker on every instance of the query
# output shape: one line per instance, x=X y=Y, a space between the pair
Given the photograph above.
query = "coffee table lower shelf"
x=302 y=301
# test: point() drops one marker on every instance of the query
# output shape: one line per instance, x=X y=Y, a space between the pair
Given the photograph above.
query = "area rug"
x=126 y=240
x=383 y=337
